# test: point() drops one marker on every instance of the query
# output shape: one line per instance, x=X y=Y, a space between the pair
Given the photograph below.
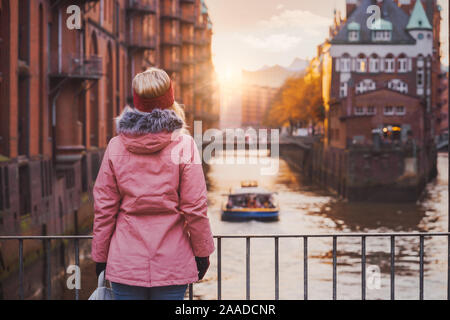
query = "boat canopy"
x=251 y=190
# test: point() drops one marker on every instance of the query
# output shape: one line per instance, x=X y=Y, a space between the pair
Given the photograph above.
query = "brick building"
x=60 y=89
x=443 y=106
x=385 y=79
x=260 y=87
x=381 y=81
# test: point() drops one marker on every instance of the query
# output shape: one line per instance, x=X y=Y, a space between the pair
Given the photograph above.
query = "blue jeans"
x=126 y=292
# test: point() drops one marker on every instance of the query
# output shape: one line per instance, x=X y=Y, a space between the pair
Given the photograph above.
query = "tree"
x=298 y=102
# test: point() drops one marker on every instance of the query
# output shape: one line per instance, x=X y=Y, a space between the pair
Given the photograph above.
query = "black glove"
x=202 y=266
x=99 y=268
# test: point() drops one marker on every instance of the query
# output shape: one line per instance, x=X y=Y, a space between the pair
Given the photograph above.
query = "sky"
x=249 y=34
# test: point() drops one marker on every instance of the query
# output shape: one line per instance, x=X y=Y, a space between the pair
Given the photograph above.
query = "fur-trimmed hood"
x=147 y=133
x=135 y=122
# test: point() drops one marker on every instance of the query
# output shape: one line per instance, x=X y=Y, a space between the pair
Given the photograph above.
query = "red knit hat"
x=149 y=104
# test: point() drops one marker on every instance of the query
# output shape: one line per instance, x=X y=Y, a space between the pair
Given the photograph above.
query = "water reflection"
x=306 y=209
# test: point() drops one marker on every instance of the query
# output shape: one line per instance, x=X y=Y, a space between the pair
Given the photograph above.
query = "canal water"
x=306 y=210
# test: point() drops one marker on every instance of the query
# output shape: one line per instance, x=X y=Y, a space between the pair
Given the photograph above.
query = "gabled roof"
x=393 y=18
x=419 y=19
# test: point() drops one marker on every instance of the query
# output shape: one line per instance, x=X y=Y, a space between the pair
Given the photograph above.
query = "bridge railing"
x=276 y=238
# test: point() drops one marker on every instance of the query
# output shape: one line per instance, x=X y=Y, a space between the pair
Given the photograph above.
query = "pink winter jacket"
x=150 y=204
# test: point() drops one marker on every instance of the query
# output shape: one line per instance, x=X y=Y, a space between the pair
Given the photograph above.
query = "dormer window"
x=382 y=35
x=381 y=30
x=353 y=36
x=353 y=29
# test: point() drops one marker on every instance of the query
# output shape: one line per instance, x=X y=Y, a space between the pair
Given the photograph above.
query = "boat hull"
x=237 y=215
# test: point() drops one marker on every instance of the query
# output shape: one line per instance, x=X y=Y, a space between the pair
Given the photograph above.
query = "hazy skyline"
x=252 y=33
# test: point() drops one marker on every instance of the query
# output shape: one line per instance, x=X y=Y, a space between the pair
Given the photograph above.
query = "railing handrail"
x=276 y=237
x=243 y=236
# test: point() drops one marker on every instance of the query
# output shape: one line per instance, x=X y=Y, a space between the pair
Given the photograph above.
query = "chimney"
x=351 y=6
x=406 y=5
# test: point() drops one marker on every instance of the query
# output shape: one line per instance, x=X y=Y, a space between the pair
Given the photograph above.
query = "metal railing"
x=79 y=66
x=171 y=39
x=276 y=238
x=141 y=41
x=148 y=6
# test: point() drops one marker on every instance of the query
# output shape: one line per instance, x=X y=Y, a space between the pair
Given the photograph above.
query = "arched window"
x=93 y=100
x=361 y=63
x=398 y=85
x=374 y=63
x=389 y=63
x=345 y=63
x=402 y=63
x=365 y=85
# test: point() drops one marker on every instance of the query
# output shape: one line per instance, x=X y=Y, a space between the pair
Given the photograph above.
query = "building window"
x=345 y=64
x=371 y=110
x=359 y=111
x=400 y=110
x=353 y=35
x=343 y=90
x=388 y=111
x=420 y=81
x=420 y=78
x=361 y=64
x=389 y=64
x=381 y=35
x=402 y=64
x=398 y=85
x=374 y=64
x=365 y=85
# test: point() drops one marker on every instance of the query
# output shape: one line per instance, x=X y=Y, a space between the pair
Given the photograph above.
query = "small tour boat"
x=250 y=203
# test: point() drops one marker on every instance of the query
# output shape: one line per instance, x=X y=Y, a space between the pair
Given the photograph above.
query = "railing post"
x=247 y=264
x=421 y=254
x=21 y=295
x=392 y=267
x=277 y=271
x=191 y=291
x=334 y=267
x=305 y=267
x=49 y=274
x=219 y=268
x=363 y=267
x=77 y=263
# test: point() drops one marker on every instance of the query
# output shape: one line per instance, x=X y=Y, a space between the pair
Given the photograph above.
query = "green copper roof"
x=418 y=19
x=204 y=7
x=353 y=26
x=210 y=26
x=382 y=25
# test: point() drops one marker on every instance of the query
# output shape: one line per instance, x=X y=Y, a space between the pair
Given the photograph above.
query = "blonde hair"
x=154 y=82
